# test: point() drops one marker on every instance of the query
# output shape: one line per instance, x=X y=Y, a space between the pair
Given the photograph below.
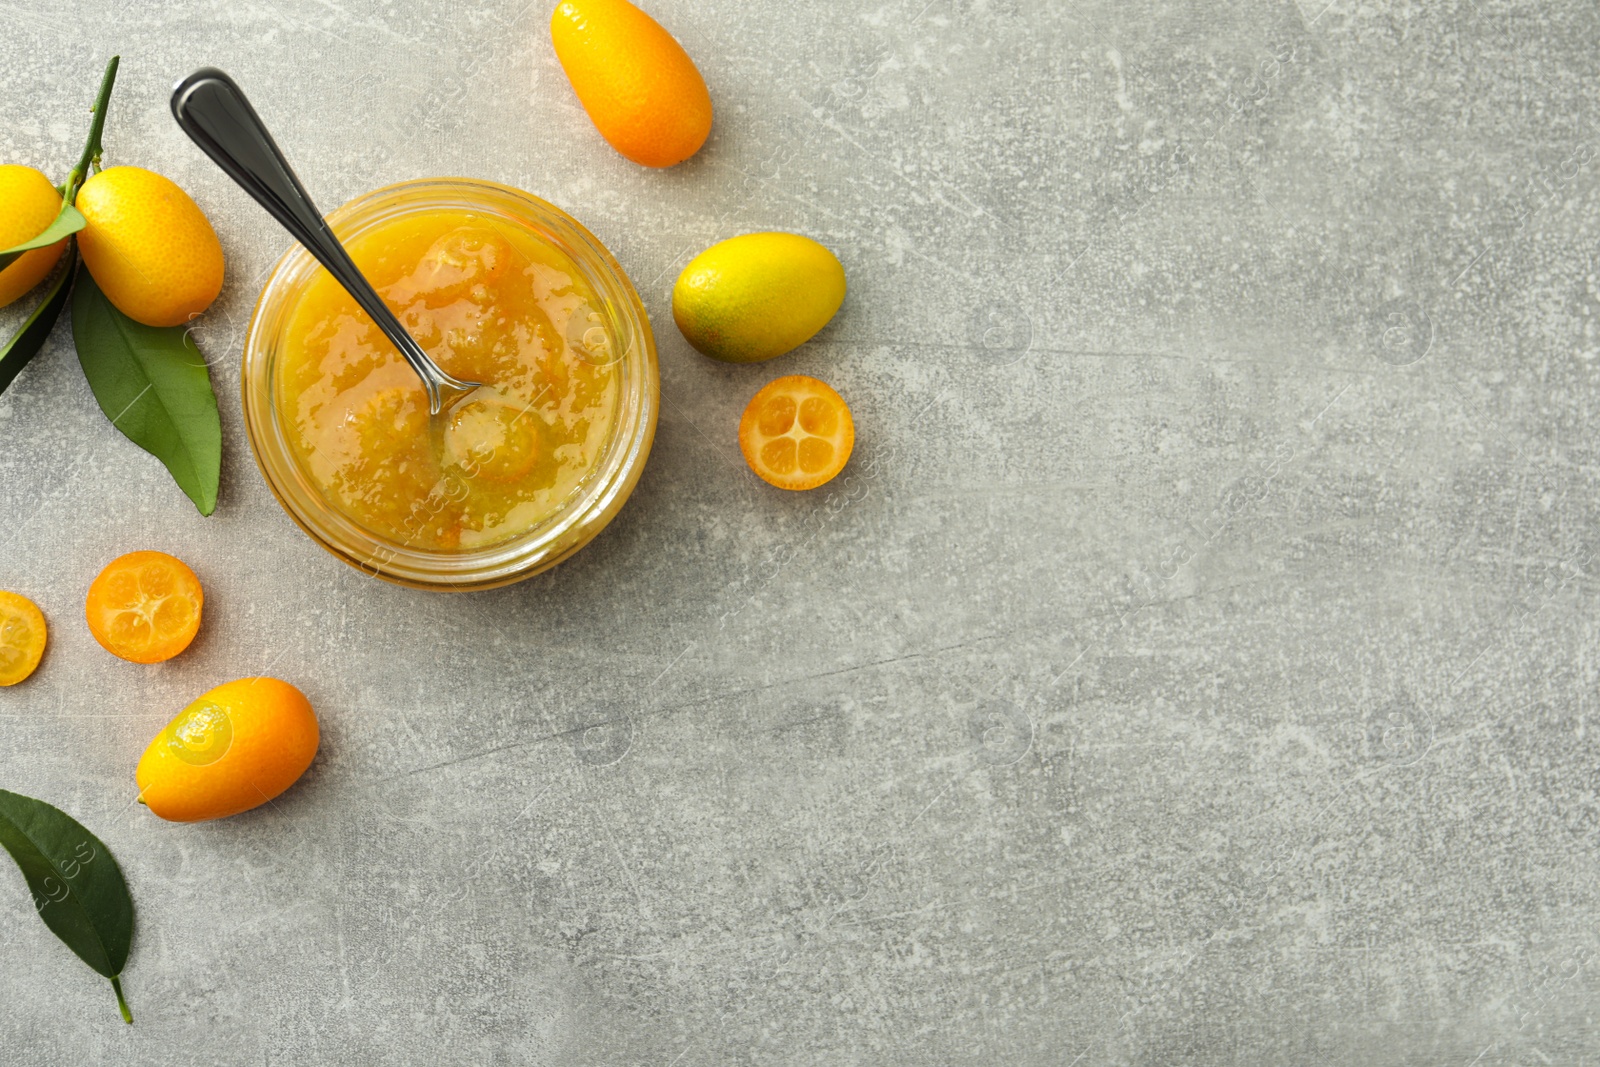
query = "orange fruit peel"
x=22 y=637
x=797 y=433
x=753 y=297
x=151 y=249
x=235 y=748
x=144 y=607
x=641 y=90
x=31 y=203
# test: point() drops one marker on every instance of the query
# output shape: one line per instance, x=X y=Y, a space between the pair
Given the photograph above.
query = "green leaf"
x=154 y=386
x=16 y=353
x=68 y=222
x=77 y=886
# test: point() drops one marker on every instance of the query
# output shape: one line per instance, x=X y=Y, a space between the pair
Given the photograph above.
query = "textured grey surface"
x=1193 y=667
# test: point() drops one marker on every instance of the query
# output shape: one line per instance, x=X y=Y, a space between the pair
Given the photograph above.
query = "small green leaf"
x=77 y=887
x=15 y=353
x=154 y=386
x=68 y=222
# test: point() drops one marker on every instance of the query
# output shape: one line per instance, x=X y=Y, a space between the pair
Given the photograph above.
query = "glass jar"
x=585 y=511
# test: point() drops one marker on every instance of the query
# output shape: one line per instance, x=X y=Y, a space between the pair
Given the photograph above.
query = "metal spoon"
x=214 y=113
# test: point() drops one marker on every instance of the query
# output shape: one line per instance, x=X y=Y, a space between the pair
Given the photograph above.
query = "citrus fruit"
x=22 y=636
x=797 y=433
x=30 y=203
x=237 y=747
x=754 y=297
x=144 y=607
x=149 y=247
x=640 y=88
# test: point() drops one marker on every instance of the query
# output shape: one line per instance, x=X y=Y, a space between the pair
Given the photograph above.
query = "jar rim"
x=591 y=505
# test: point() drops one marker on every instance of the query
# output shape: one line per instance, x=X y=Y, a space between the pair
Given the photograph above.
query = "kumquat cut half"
x=797 y=433
x=22 y=637
x=145 y=607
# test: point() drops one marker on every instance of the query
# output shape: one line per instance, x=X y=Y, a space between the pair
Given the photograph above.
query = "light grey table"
x=1194 y=666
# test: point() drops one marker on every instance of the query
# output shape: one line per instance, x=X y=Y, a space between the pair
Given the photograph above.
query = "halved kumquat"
x=145 y=607
x=797 y=433
x=22 y=637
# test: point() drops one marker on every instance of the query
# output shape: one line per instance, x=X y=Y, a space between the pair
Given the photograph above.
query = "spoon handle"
x=214 y=112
